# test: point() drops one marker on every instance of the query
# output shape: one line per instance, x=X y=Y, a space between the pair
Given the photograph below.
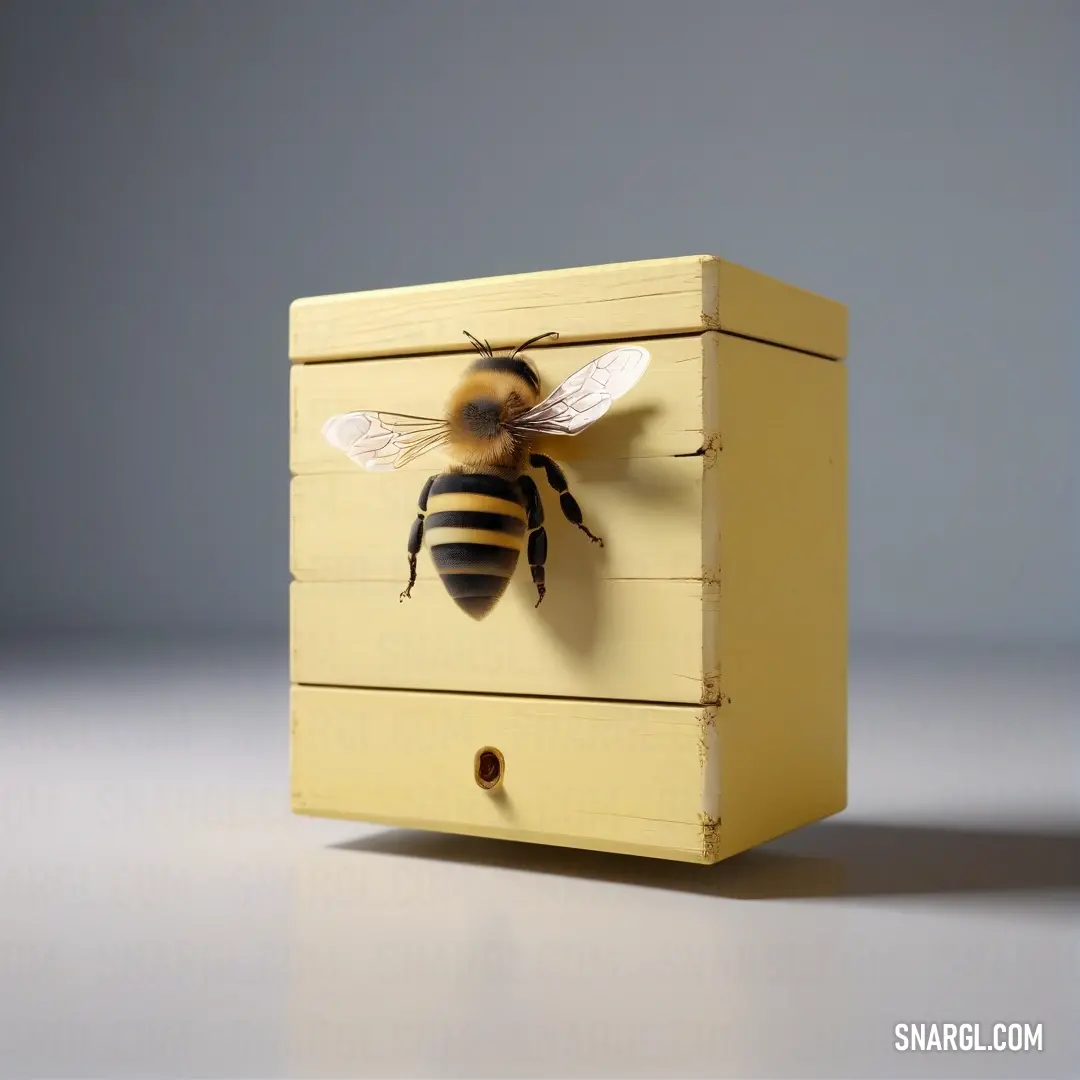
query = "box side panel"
x=781 y=482
x=620 y=640
x=354 y=526
x=660 y=417
x=620 y=300
x=611 y=777
x=754 y=305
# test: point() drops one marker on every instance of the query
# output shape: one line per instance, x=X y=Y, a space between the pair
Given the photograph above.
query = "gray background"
x=174 y=174
x=171 y=177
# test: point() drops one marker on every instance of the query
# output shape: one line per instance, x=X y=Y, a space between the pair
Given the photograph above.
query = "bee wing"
x=379 y=441
x=585 y=396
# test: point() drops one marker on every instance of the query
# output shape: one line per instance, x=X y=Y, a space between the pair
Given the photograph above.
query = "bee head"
x=511 y=363
x=495 y=391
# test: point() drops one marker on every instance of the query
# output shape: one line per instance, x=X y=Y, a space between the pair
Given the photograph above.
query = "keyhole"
x=488 y=767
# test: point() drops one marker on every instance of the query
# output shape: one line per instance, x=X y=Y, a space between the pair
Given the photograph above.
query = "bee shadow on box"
x=601 y=473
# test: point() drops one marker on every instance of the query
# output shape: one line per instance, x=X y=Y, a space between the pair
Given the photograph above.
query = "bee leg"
x=557 y=479
x=416 y=537
x=537 y=535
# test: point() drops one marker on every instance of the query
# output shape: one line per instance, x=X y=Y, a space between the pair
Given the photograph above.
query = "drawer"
x=638 y=779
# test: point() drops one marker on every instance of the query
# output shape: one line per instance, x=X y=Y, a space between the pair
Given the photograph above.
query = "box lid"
x=617 y=301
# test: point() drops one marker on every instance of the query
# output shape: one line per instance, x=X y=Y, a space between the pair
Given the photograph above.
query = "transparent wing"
x=379 y=441
x=585 y=396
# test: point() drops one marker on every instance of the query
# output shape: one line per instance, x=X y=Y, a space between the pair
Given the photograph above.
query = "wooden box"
x=682 y=692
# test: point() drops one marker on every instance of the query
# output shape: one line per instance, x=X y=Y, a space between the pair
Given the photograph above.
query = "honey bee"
x=482 y=512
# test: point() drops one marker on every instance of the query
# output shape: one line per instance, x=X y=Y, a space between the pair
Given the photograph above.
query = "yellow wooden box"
x=680 y=693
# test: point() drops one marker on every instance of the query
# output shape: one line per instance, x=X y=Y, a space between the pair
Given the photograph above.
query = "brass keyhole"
x=488 y=767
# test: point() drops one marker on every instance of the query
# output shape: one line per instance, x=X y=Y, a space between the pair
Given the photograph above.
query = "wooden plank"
x=683 y=295
x=781 y=484
x=354 y=526
x=661 y=417
x=754 y=305
x=620 y=300
x=621 y=640
x=638 y=779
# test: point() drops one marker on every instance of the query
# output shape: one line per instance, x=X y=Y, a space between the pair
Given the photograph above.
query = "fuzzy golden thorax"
x=480 y=409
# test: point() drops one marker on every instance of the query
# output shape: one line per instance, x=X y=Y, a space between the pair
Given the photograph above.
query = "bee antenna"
x=482 y=347
x=533 y=341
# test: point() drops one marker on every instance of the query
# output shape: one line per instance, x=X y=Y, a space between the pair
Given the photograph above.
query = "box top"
x=617 y=301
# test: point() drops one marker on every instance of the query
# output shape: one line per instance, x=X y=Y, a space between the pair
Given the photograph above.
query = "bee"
x=484 y=510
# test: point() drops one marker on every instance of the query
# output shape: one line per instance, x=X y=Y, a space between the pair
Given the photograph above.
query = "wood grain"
x=782 y=635
x=354 y=526
x=628 y=639
x=682 y=295
x=754 y=305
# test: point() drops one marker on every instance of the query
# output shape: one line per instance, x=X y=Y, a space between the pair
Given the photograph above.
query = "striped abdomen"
x=475 y=530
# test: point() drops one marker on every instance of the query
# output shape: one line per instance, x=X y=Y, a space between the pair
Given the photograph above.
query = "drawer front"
x=639 y=779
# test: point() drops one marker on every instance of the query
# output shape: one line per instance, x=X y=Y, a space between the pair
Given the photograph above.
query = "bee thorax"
x=481 y=417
